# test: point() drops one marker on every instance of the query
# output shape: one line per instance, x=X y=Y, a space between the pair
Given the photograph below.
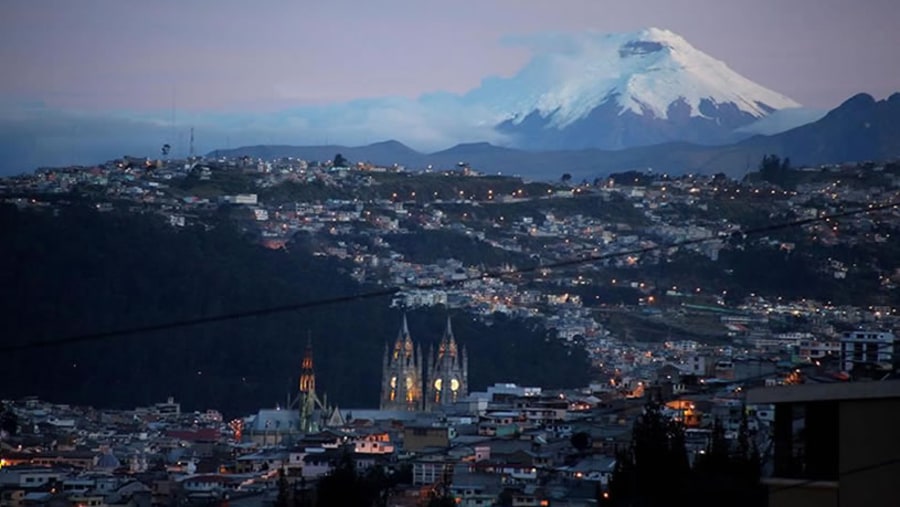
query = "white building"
x=813 y=349
x=867 y=347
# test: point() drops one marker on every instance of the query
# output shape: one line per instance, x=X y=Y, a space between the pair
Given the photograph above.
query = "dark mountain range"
x=859 y=129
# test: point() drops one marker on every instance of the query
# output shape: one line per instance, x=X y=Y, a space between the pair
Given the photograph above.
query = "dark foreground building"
x=834 y=444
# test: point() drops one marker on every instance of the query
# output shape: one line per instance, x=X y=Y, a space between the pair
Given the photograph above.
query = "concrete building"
x=421 y=438
x=867 y=348
x=834 y=444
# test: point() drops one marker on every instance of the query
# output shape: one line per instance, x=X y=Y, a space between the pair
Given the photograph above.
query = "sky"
x=131 y=60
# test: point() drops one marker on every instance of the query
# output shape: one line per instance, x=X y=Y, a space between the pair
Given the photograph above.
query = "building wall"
x=785 y=495
x=416 y=439
x=874 y=347
x=869 y=437
x=867 y=450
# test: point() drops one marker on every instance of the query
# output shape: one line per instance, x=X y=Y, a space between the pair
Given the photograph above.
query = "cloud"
x=556 y=43
x=783 y=120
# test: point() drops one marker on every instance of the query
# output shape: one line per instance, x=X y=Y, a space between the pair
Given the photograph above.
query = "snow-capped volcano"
x=619 y=90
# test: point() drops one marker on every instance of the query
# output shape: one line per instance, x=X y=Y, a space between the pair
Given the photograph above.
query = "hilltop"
x=860 y=129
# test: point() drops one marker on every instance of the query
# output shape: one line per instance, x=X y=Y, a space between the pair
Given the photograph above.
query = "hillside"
x=84 y=272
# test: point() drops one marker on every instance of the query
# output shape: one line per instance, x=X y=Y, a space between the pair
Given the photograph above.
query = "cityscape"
x=587 y=265
x=704 y=355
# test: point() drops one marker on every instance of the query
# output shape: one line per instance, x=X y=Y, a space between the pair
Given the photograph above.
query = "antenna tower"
x=172 y=133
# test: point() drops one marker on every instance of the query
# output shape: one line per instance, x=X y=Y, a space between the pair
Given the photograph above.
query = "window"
x=806 y=436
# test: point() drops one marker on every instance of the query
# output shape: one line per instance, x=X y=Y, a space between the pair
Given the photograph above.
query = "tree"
x=340 y=161
x=581 y=441
x=749 y=463
x=715 y=459
x=655 y=467
x=776 y=171
x=344 y=485
x=285 y=495
x=566 y=177
x=441 y=501
x=623 y=483
x=302 y=494
x=9 y=422
x=726 y=476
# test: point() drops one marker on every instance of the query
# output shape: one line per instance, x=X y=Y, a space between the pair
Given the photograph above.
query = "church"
x=410 y=383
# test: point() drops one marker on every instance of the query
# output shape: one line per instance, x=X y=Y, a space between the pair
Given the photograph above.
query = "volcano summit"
x=617 y=91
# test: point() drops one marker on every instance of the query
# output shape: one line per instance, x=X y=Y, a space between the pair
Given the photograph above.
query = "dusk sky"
x=235 y=56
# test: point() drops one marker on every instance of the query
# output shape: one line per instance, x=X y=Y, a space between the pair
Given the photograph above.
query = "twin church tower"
x=408 y=383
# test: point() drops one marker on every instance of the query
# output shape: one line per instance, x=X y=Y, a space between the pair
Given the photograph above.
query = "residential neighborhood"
x=595 y=256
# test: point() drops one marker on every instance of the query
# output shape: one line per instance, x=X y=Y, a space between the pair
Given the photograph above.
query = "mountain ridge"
x=839 y=136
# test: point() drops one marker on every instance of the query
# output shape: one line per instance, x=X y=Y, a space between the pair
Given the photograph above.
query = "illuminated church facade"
x=410 y=383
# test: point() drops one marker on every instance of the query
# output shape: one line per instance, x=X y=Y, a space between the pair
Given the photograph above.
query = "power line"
x=196 y=321
x=638 y=251
x=436 y=285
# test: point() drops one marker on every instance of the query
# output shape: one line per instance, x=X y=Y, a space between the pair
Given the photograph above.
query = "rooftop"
x=824 y=392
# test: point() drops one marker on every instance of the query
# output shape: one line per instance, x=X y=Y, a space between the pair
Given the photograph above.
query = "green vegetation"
x=430 y=246
x=84 y=272
x=610 y=209
x=340 y=161
x=406 y=187
x=344 y=485
x=777 y=171
x=220 y=182
x=751 y=267
x=291 y=191
x=655 y=469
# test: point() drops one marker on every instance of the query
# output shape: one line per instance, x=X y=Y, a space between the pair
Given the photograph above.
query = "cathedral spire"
x=404 y=330
x=448 y=331
x=401 y=386
x=447 y=372
x=307 y=387
x=307 y=370
x=448 y=342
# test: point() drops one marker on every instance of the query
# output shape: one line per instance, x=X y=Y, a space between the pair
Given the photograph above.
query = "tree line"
x=655 y=470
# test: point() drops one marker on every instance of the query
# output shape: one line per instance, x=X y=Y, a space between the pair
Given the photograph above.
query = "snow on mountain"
x=645 y=72
x=584 y=90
